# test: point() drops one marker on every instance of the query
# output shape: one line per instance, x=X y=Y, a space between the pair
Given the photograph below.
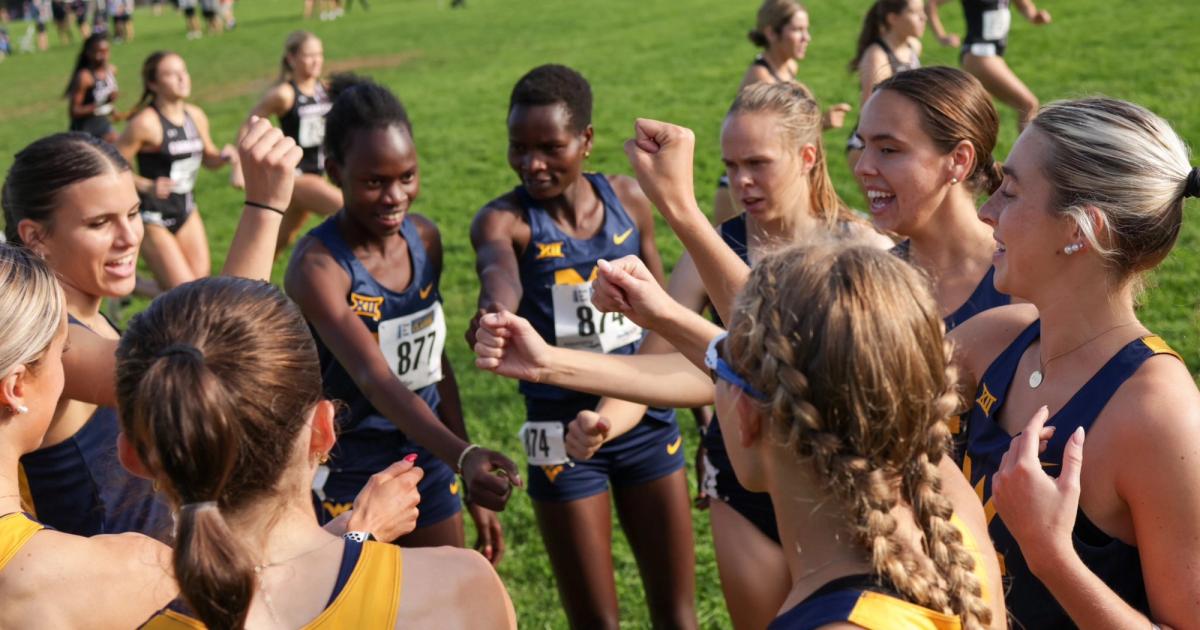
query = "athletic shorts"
x=98 y=126
x=721 y=483
x=170 y=213
x=983 y=48
x=362 y=453
x=651 y=450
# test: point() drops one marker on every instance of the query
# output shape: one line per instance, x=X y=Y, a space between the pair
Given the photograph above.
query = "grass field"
x=678 y=61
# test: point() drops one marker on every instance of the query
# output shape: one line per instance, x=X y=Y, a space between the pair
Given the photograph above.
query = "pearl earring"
x=953 y=181
x=1072 y=248
x=21 y=409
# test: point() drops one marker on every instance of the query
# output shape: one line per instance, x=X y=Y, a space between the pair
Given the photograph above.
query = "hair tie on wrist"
x=254 y=204
x=181 y=348
x=1192 y=187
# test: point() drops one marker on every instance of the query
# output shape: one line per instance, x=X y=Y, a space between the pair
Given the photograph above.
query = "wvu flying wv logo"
x=550 y=250
x=366 y=306
x=552 y=472
x=335 y=509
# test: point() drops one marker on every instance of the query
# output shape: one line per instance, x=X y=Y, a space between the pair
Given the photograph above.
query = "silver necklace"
x=1037 y=376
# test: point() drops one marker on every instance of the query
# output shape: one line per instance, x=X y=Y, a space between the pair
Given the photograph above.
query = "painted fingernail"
x=410 y=458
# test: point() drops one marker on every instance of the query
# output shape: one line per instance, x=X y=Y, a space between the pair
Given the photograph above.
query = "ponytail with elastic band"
x=1192 y=187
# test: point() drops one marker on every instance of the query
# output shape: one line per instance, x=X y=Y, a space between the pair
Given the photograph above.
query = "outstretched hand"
x=509 y=346
x=268 y=161
x=1039 y=509
x=626 y=286
x=661 y=156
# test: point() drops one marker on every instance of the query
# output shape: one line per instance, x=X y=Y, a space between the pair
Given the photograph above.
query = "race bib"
x=996 y=23
x=413 y=344
x=104 y=110
x=312 y=131
x=183 y=174
x=578 y=325
x=544 y=445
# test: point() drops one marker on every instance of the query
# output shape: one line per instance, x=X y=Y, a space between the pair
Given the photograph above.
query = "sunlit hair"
x=33 y=307
x=954 y=107
x=773 y=15
x=295 y=40
x=215 y=381
x=847 y=342
x=798 y=118
x=1126 y=162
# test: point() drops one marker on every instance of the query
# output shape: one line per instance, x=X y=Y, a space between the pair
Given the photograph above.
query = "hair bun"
x=757 y=38
x=1192 y=187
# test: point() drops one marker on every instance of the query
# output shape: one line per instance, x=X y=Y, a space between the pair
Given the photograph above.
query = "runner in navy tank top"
x=78 y=485
x=1084 y=426
x=537 y=250
x=367 y=282
x=300 y=99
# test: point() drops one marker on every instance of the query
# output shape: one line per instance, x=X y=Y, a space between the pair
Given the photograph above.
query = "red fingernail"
x=412 y=457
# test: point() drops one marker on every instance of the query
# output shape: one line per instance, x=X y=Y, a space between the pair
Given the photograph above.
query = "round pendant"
x=1035 y=379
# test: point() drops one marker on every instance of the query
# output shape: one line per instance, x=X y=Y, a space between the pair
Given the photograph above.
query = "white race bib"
x=578 y=325
x=413 y=344
x=103 y=110
x=544 y=444
x=996 y=23
x=312 y=131
x=183 y=174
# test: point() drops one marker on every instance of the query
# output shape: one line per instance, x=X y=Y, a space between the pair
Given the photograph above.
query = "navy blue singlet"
x=984 y=297
x=720 y=479
x=555 y=259
x=376 y=304
x=862 y=601
x=78 y=486
x=1113 y=561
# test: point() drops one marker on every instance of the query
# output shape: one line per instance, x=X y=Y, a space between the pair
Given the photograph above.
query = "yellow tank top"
x=15 y=530
x=369 y=599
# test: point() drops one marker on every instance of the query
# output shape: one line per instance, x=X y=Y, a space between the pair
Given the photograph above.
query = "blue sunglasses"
x=722 y=370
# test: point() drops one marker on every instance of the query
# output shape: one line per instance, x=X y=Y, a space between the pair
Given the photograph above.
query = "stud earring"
x=323 y=458
x=953 y=181
x=1072 y=248
x=20 y=409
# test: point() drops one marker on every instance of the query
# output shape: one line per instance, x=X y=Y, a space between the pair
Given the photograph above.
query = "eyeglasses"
x=719 y=369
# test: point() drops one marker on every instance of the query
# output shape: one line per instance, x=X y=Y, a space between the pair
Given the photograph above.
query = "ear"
x=588 y=134
x=808 y=158
x=749 y=420
x=33 y=235
x=12 y=389
x=323 y=436
x=962 y=160
x=129 y=458
x=1099 y=226
x=334 y=170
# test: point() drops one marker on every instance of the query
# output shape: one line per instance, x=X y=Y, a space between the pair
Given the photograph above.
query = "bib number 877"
x=409 y=360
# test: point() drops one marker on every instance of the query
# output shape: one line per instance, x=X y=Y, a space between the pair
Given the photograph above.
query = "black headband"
x=1192 y=188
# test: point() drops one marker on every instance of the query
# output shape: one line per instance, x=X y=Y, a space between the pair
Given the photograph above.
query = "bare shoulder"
x=631 y=195
x=431 y=237
x=756 y=73
x=1158 y=407
x=196 y=113
x=467 y=594
x=500 y=217
x=311 y=266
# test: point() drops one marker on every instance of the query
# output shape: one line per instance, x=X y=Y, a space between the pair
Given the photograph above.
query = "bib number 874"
x=587 y=320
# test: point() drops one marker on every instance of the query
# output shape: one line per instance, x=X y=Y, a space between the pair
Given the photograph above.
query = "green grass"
x=670 y=60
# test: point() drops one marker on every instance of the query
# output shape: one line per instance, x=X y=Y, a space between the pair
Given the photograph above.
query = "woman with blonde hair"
x=782 y=31
x=300 y=99
x=836 y=381
x=1093 y=534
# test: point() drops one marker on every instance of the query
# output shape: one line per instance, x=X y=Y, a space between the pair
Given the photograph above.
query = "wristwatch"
x=358 y=537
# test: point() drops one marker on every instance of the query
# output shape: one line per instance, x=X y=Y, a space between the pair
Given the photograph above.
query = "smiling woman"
x=537 y=249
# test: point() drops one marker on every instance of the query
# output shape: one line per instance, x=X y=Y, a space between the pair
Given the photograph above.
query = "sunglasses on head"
x=720 y=369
